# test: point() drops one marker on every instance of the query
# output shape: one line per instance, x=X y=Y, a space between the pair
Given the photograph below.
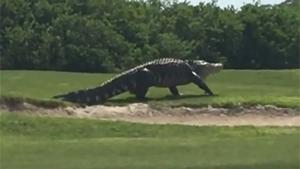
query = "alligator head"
x=204 y=68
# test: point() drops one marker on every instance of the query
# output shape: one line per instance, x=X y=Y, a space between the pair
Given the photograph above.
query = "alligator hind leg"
x=141 y=93
x=174 y=91
x=144 y=80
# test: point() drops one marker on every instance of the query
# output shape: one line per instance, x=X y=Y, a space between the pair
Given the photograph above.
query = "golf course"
x=31 y=141
x=149 y=84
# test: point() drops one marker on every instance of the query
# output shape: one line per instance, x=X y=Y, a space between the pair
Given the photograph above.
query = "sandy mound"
x=139 y=112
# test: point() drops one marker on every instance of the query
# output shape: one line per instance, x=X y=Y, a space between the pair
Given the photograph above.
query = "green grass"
x=39 y=142
x=233 y=87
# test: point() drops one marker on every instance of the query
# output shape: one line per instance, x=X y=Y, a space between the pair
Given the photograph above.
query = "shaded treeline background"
x=109 y=35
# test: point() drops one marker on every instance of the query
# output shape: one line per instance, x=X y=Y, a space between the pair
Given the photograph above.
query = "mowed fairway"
x=278 y=87
x=30 y=142
x=47 y=143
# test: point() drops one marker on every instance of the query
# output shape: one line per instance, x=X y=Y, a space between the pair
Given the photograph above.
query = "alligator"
x=166 y=72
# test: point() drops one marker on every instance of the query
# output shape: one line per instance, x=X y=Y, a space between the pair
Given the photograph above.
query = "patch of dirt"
x=268 y=115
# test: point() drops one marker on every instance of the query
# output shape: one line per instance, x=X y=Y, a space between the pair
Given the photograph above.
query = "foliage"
x=102 y=36
x=233 y=87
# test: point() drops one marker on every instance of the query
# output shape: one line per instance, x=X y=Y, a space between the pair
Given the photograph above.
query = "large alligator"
x=167 y=72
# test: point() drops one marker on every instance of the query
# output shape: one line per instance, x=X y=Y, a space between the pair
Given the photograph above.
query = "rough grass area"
x=233 y=87
x=35 y=142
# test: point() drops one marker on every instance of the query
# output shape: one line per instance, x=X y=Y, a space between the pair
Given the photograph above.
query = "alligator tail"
x=106 y=90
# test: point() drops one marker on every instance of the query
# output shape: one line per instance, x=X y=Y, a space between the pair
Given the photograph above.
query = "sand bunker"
x=140 y=112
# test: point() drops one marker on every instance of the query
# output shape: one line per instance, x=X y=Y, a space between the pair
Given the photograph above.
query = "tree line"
x=112 y=35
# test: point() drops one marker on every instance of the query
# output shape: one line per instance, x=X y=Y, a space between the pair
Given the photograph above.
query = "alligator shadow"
x=165 y=98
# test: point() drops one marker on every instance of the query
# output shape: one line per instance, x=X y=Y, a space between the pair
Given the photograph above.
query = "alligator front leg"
x=200 y=83
x=174 y=91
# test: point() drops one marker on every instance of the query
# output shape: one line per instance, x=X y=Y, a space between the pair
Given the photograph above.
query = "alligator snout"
x=217 y=67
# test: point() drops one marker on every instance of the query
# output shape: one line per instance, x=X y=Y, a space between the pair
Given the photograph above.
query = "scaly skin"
x=166 y=72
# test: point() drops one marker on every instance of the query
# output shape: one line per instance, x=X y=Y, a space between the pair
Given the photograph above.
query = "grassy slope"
x=279 y=87
x=34 y=143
